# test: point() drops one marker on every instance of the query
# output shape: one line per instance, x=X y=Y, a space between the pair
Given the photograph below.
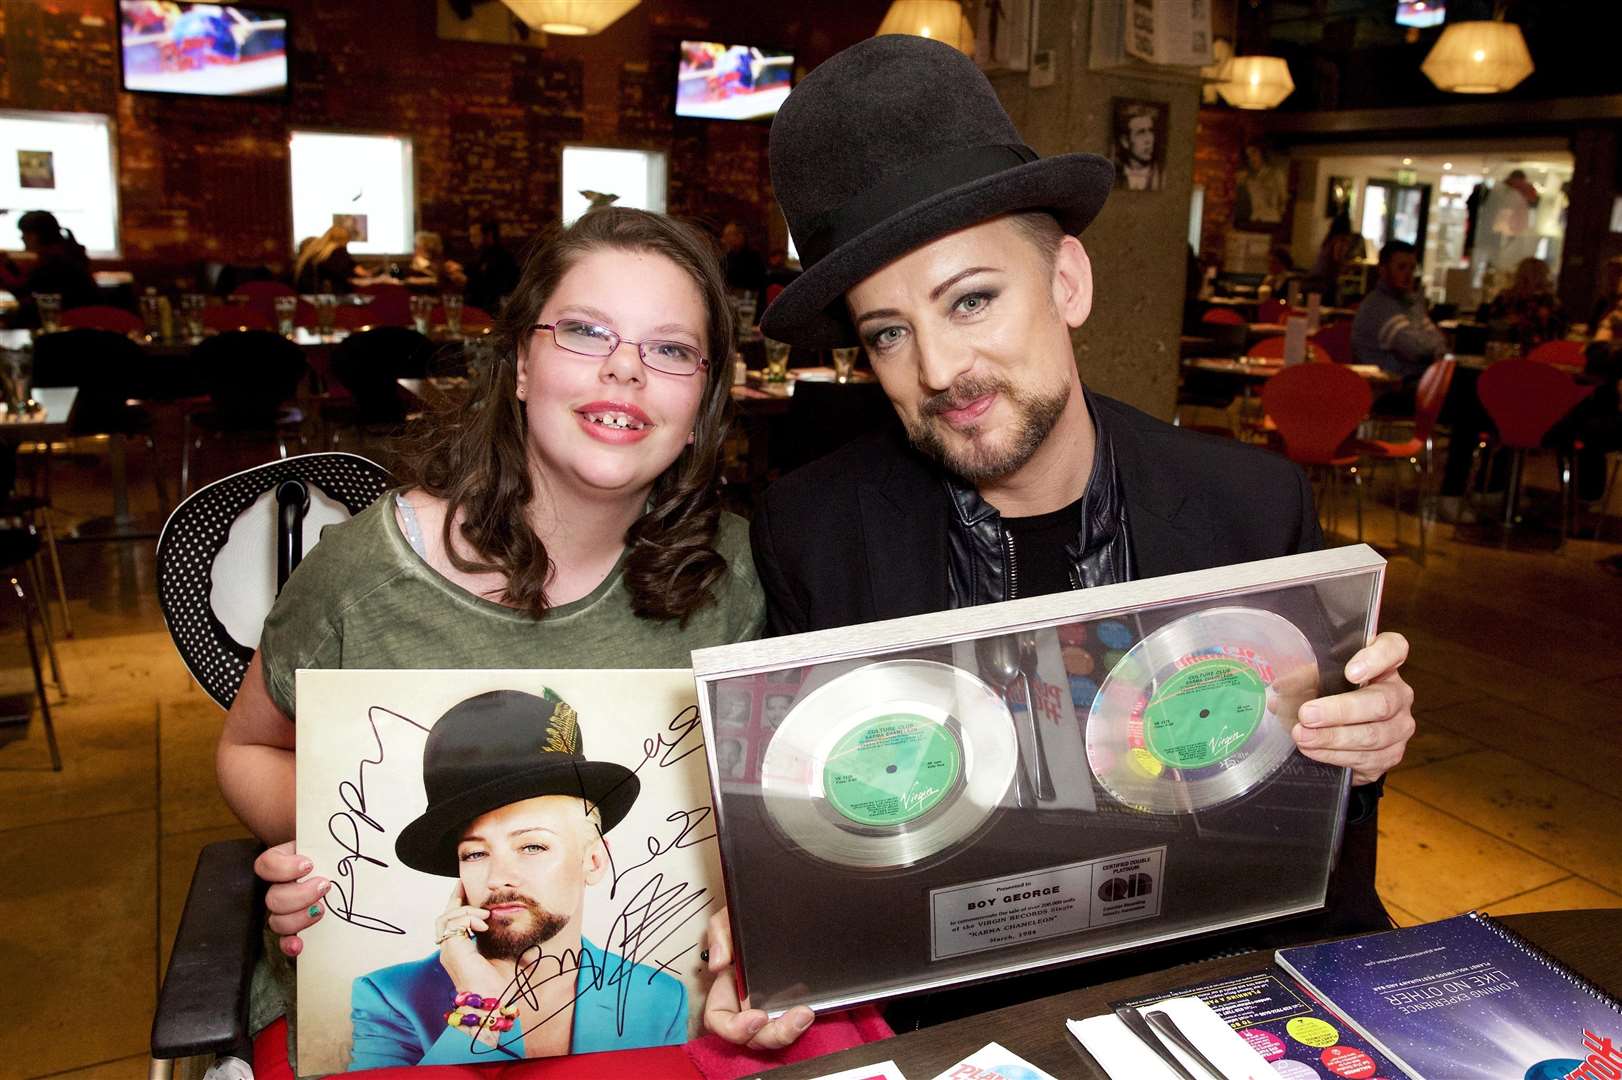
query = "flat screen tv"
x=1421 y=13
x=211 y=50
x=731 y=82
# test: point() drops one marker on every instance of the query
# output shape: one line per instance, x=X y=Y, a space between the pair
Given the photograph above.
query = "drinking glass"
x=50 y=311
x=777 y=361
x=18 y=373
x=191 y=314
x=286 y=315
x=452 y=303
x=326 y=313
x=422 y=313
x=844 y=363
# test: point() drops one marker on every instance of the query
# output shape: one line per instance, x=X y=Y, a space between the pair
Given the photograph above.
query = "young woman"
x=564 y=515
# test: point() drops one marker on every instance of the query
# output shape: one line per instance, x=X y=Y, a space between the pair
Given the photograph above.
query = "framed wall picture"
x=1139 y=144
x=355 y=223
x=1338 y=196
x=36 y=169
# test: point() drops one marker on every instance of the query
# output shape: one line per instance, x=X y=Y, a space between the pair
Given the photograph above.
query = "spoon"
x=1028 y=661
x=999 y=658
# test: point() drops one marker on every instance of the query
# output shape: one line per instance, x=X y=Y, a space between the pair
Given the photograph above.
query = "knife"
x=1162 y=1022
x=1137 y=1025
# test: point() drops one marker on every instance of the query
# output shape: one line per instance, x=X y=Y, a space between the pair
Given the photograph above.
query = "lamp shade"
x=1256 y=82
x=570 y=17
x=1478 y=58
x=942 y=20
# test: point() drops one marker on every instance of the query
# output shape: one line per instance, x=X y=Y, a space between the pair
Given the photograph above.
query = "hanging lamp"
x=574 y=18
x=942 y=20
x=1256 y=82
x=1485 y=57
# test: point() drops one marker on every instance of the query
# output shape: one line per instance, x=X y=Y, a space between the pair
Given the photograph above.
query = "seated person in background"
x=428 y=265
x=324 y=265
x=1280 y=269
x=967 y=315
x=565 y=514
x=491 y=274
x=59 y=264
x=1527 y=313
x=1341 y=248
x=1392 y=329
x=1608 y=294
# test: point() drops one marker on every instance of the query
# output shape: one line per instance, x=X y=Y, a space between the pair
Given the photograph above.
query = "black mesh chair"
x=268 y=517
x=18 y=548
x=252 y=376
x=366 y=365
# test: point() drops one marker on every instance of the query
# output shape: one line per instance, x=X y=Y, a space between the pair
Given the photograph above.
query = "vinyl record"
x=889 y=764
x=1200 y=711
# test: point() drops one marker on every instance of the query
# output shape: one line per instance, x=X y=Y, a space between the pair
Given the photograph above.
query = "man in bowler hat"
x=935 y=239
x=516 y=814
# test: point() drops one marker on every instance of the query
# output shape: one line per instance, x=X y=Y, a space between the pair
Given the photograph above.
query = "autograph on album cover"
x=523 y=863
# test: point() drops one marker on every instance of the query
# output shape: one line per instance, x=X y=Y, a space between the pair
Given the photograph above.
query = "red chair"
x=225 y=317
x=1336 y=340
x=358 y=317
x=1272 y=311
x=390 y=306
x=1222 y=315
x=1572 y=354
x=1272 y=348
x=265 y=291
x=101 y=317
x=1525 y=400
x=1418 y=451
x=1316 y=408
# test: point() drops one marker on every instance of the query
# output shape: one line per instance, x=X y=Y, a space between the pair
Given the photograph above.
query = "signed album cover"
x=522 y=864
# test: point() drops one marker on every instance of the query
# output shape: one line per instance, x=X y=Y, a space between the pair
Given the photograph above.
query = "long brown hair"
x=474 y=456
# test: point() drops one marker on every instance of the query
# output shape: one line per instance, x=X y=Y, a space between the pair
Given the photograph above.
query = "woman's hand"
x=293 y=899
x=733 y=1020
x=459 y=954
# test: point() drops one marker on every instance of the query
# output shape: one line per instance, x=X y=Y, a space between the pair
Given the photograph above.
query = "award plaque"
x=927 y=801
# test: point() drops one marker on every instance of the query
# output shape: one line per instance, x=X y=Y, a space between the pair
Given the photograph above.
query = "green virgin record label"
x=1204 y=713
x=891 y=770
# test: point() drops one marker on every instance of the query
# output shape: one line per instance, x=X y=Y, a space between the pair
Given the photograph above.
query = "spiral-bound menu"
x=1465 y=998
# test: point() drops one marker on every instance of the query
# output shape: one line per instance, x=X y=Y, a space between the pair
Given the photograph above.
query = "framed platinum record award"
x=927 y=801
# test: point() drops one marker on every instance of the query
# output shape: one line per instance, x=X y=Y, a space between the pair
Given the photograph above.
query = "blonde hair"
x=315 y=252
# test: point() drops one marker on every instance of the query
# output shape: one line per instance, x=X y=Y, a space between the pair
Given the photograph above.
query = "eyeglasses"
x=589 y=339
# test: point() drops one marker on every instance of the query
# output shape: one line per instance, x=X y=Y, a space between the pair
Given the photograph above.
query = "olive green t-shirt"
x=362 y=598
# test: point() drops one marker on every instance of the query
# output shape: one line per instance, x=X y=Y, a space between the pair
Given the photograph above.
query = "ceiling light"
x=1257 y=82
x=1407 y=161
x=1478 y=58
x=942 y=20
x=1447 y=165
x=571 y=18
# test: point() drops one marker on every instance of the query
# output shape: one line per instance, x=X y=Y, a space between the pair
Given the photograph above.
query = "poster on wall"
x=36 y=169
x=1264 y=189
x=1140 y=144
x=523 y=864
x=355 y=224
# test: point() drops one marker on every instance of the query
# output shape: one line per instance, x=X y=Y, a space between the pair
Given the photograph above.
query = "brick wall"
x=204 y=178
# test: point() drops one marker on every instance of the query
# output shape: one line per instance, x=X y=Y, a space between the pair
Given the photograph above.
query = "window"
x=363 y=182
x=637 y=177
x=61 y=162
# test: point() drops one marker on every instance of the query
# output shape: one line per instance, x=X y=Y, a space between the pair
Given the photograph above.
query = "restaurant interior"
x=326 y=223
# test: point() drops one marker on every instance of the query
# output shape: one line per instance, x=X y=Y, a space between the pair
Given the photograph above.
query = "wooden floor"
x=1509 y=800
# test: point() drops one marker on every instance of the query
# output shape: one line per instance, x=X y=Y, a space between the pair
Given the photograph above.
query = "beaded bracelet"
x=470 y=1010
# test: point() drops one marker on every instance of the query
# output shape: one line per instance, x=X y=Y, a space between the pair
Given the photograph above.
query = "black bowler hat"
x=888 y=145
x=498 y=748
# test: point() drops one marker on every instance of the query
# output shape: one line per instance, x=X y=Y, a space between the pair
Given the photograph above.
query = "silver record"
x=1266 y=643
x=936 y=700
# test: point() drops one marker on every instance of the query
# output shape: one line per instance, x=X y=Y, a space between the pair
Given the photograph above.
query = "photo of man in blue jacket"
x=517 y=815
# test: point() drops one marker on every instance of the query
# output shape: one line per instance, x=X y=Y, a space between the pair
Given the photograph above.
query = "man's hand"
x=1365 y=729
x=733 y=1020
x=459 y=954
x=294 y=904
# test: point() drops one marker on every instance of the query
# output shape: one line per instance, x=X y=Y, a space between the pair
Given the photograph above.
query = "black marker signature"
x=345 y=829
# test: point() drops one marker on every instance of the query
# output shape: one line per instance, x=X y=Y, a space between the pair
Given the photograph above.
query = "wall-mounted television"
x=211 y=50
x=1421 y=13
x=731 y=82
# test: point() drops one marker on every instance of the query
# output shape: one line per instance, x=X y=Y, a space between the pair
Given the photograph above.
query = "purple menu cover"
x=1465 y=999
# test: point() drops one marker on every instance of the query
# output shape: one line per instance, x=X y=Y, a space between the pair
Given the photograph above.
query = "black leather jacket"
x=984 y=566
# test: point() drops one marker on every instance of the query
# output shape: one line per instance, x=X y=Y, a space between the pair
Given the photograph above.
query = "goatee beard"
x=511 y=939
x=1036 y=413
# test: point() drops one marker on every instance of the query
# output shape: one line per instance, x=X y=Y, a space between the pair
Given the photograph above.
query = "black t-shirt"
x=1039 y=562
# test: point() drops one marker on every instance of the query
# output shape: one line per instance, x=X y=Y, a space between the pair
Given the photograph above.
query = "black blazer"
x=861 y=535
